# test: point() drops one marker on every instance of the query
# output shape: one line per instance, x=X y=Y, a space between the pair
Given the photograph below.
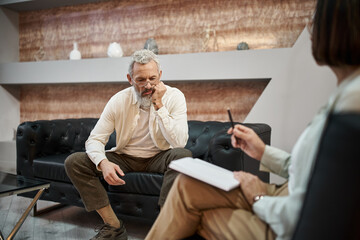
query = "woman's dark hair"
x=336 y=32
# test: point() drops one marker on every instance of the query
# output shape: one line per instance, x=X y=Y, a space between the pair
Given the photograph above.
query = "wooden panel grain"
x=60 y=101
x=205 y=100
x=178 y=26
x=208 y=101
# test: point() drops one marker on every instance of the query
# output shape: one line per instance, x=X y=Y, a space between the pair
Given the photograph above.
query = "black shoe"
x=107 y=232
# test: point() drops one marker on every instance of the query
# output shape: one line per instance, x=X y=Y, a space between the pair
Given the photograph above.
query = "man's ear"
x=160 y=73
x=129 y=79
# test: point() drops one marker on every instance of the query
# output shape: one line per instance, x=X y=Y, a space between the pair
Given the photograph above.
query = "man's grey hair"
x=143 y=56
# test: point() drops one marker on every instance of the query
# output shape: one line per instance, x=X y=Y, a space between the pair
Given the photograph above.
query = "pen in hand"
x=230 y=117
x=232 y=123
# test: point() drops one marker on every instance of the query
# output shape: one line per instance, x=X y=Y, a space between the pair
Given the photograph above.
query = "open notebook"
x=206 y=172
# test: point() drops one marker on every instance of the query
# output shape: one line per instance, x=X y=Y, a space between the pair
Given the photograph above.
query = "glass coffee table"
x=11 y=184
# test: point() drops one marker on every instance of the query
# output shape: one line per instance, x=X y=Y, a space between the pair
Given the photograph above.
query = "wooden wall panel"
x=208 y=101
x=60 y=101
x=178 y=26
x=205 y=100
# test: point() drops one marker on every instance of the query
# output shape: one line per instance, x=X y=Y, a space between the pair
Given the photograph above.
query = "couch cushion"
x=51 y=167
x=141 y=183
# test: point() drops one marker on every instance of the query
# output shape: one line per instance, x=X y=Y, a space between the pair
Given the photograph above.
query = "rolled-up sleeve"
x=276 y=161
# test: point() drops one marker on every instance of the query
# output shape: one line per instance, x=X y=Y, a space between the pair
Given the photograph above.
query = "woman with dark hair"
x=257 y=210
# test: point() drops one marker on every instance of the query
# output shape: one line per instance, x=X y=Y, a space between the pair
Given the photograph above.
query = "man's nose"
x=148 y=84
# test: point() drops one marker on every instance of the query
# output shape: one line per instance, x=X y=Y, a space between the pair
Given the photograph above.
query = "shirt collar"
x=134 y=96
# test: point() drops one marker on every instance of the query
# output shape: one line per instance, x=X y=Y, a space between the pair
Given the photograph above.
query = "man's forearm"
x=173 y=128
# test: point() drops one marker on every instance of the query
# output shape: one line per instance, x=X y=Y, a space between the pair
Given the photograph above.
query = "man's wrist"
x=157 y=105
x=101 y=162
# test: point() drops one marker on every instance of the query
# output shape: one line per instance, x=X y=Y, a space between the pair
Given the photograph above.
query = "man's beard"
x=145 y=102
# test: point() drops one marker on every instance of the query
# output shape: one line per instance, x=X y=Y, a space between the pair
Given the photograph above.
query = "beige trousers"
x=196 y=207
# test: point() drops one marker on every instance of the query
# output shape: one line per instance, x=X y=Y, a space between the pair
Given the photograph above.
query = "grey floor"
x=65 y=223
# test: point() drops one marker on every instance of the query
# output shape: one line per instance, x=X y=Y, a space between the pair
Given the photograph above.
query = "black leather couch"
x=42 y=147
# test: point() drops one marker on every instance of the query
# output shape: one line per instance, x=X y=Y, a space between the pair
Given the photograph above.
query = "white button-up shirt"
x=168 y=126
x=282 y=212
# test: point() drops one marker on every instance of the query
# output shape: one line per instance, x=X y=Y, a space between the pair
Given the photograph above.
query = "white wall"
x=309 y=87
x=294 y=96
x=9 y=40
x=9 y=52
x=9 y=102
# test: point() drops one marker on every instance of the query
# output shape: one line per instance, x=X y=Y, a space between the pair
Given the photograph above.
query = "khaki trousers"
x=196 y=207
x=85 y=177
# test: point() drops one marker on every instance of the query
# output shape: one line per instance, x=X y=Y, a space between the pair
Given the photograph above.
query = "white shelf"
x=232 y=65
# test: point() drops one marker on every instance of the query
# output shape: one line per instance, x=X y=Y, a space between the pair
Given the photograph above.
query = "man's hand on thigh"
x=110 y=171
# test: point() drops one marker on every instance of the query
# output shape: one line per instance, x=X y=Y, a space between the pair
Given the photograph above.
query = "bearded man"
x=151 y=128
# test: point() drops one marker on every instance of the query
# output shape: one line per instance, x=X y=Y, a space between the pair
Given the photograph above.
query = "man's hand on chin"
x=110 y=171
x=159 y=91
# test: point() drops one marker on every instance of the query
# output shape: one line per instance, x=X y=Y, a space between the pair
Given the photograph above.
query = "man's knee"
x=73 y=161
x=177 y=153
x=181 y=153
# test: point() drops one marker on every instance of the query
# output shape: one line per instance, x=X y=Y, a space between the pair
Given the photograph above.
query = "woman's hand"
x=247 y=140
x=251 y=185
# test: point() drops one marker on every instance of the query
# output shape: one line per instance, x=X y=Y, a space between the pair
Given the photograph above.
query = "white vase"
x=115 y=50
x=75 y=53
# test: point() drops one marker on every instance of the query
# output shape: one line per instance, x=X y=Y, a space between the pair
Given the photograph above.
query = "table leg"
x=37 y=212
x=25 y=214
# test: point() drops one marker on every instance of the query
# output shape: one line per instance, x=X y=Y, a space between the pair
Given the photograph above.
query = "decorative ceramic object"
x=75 y=53
x=115 y=50
x=39 y=54
x=151 y=45
x=209 y=42
x=242 y=46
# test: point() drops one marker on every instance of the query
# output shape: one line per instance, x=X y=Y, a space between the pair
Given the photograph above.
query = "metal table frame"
x=40 y=187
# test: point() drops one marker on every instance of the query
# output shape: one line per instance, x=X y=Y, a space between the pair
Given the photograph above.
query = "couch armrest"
x=222 y=153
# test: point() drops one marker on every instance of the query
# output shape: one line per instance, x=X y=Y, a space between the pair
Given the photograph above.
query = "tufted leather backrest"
x=65 y=136
x=42 y=138
x=200 y=134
